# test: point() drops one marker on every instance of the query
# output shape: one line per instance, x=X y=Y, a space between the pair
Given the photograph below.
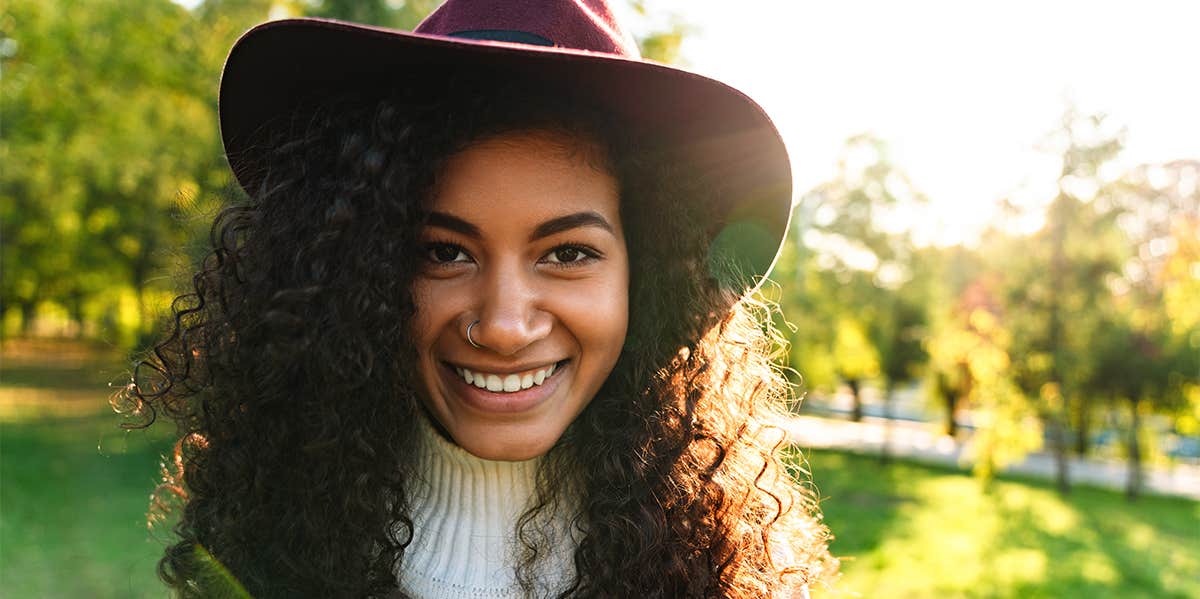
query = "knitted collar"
x=465 y=511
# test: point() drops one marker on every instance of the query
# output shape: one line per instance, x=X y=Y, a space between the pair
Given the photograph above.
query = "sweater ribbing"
x=465 y=511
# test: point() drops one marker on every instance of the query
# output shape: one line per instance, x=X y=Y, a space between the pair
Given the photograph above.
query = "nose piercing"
x=469 y=339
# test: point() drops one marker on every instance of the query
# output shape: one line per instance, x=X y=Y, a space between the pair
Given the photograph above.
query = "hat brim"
x=724 y=135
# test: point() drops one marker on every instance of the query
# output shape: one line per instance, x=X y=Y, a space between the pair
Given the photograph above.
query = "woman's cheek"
x=599 y=315
x=437 y=302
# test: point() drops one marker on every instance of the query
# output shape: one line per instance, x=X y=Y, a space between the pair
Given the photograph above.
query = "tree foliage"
x=858 y=301
x=112 y=162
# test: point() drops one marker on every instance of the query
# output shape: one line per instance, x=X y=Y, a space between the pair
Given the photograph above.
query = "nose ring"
x=469 y=339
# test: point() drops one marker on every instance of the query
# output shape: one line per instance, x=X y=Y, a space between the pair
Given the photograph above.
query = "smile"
x=506 y=383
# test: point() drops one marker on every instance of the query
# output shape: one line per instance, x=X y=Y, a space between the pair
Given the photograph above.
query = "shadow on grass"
x=62 y=364
x=54 y=380
x=861 y=499
x=922 y=531
x=96 y=375
x=1097 y=545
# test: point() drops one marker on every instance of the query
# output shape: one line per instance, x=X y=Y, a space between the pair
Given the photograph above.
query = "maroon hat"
x=725 y=136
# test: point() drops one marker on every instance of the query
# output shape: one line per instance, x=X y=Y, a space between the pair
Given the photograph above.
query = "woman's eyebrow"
x=453 y=223
x=571 y=221
x=546 y=229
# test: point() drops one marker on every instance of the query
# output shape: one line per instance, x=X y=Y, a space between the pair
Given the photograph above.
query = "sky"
x=962 y=91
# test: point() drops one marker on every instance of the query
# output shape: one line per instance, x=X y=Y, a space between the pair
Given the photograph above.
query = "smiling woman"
x=475 y=332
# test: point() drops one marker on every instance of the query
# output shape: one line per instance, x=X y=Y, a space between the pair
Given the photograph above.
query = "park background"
x=1011 y=299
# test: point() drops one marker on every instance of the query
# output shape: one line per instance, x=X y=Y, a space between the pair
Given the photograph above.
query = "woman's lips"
x=504 y=402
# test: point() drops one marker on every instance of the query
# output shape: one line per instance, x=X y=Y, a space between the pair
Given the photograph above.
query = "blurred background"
x=991 y=287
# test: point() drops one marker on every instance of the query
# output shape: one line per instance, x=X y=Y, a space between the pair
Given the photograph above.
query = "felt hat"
x=723 y=135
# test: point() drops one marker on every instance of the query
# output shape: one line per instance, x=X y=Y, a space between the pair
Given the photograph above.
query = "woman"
x=481 y=327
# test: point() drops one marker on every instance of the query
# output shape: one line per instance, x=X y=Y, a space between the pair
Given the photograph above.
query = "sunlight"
x=962 y=93
x=26 y=404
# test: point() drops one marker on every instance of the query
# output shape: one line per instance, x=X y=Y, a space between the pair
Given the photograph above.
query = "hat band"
x=504 y=35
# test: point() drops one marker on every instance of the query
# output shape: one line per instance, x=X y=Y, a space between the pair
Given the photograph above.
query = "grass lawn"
x=73 y=509
x=74 y=488
x=909 y=531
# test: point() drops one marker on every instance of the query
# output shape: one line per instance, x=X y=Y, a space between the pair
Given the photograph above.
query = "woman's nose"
x=510 y=315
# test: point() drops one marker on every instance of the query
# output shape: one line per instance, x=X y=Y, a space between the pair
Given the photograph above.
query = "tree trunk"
x=28 y=315
x=885 y=450
x=1058 y=443
x=76 y=299
x=951 y=400
x=1133 y=485
x=139 y=276
x=856 y=410
x=1083 y=427
x=1059 y=411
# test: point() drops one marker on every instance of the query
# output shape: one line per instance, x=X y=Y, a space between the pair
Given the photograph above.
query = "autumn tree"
x=853 y=262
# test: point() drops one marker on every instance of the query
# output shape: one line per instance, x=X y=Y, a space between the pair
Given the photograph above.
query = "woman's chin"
x=508 y=442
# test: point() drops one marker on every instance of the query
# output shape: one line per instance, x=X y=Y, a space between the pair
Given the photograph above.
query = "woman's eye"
x=445 y=253
x=569 y=254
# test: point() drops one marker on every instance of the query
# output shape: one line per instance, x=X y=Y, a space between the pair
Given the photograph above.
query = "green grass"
x=74 y=487
x=73 y=506
x=914 y=531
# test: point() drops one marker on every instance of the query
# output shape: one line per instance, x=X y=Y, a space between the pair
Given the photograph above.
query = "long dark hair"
x=287 y=370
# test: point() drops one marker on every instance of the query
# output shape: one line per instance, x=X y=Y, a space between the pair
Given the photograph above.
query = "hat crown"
x=577 y=24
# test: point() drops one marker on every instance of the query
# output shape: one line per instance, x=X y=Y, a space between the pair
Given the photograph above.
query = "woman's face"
x=524 y=236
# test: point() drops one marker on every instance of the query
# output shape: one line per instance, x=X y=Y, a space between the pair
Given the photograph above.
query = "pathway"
x=918 y=441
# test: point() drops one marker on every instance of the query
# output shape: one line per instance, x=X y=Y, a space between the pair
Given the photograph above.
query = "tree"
x=951 y=299
x=1055 y=284
x=102 y=126
x=860 y=265
x=856 y=359
x=1151 y=352
x=899 y=334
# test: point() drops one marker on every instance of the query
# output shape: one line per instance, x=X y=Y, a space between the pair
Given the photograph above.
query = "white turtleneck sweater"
x=464 y=511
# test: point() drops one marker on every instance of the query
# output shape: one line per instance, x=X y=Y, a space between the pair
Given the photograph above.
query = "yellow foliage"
x=1051 y=394
x=854 y=354
x=1006 y=424
x=102 y=218
x=129 y=245
x=1188 y=421
x=68 y=223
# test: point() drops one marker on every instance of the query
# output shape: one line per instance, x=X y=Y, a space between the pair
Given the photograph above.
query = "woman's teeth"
x=507 y=383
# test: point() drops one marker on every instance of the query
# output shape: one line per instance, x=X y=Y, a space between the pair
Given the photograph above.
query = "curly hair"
x=287 y=372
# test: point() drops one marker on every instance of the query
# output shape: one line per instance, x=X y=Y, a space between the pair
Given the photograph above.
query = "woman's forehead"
x=560 y=143
x=527 y=175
